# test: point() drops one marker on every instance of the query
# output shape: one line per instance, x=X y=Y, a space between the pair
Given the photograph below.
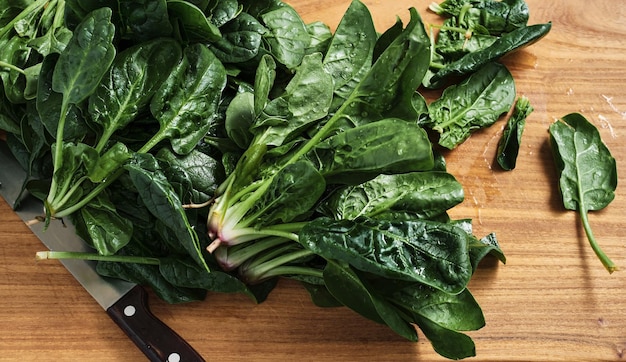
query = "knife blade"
x=126 y=303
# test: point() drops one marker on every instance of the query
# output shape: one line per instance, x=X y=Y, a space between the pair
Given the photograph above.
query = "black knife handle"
x=153 y=337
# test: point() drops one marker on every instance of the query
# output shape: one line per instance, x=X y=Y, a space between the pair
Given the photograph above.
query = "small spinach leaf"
x=509 y=144
x=475 y=103
x=588 y=172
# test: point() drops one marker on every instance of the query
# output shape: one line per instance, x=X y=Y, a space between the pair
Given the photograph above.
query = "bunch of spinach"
x=217 y=145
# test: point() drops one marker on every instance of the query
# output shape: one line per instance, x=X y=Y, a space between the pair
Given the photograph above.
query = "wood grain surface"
x=552 y=301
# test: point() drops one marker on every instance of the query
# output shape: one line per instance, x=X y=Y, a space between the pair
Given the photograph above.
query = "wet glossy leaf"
x=475 y=103
x=427 y=252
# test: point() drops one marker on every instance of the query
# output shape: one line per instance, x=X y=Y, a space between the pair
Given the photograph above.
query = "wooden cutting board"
x=553 y=300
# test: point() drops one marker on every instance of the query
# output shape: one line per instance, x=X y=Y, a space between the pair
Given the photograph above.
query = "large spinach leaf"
x=130 y=84
x=386 y=146
x=77 y=73
x=422 y=251
x=424 y=194
x=186 y=103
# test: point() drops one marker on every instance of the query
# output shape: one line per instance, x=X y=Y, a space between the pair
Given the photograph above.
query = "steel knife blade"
x=126 y=303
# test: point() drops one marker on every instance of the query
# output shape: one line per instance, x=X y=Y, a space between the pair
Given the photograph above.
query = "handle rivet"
x=129 y=311
x=173 y=357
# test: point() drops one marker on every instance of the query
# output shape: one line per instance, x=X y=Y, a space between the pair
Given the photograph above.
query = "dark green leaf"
x=186 y=103
x=146 y=19
x=422 y=251
x=164 y=204
x=448 y=343
x=346 y=286
x=349 y=55
x=197 y=27
x=424 y=194
x=386 y=146
x=48 y=105
x=132 y=80
x=459 y=312
x=108 y=230
x=86 y=58
x=288 y=37
x=509 y=144
x=483 y=247
x=508 y=43
x=294 y=190
x=205 y=172
x=241 y=39
x=307 y=99
x=475 y=103
x=587 y=171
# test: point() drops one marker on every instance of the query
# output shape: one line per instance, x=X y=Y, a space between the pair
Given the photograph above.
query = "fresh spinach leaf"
x=475 y=103
x=194 y=24
x=509 y=144
x=164 y=204
x=146 y=19
x=424 y=194
x=288 y=37
x=108 y=231
x=587 y=172
x=307 y=99
x=507 y=43
x=346 y=286
x=422 y=251
x=186 y=103
x=128 y=87
x=386 y=146
x=241 y=39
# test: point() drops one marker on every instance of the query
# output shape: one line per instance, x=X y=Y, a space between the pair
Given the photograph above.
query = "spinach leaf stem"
x=606 y=261
x=43 y=255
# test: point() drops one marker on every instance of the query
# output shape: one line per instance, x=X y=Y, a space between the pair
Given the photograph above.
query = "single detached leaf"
x=475 y=103
x=588 y=172
x=509 y=144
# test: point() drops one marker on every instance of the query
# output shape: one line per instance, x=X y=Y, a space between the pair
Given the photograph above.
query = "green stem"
x=606 y=261
x=240 y=235
x=36 y=6
x=91 y=195
x=59 y=16
x=12 y=67
x=65 y=195
x=294 y=270
x=44 y=255
x=239 y=255
x=263 y=270
x=58 y=149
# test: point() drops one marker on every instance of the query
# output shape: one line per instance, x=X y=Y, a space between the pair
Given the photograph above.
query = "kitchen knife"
x=126 y=303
